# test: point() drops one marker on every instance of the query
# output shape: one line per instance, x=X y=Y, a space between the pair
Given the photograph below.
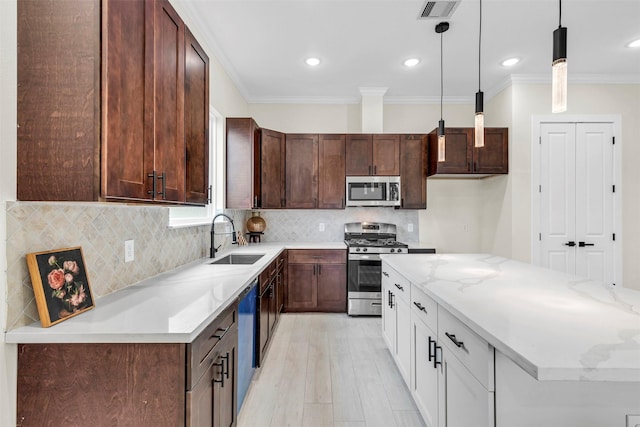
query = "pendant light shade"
x=479 y=119
x=441 y=28
x=559 y=68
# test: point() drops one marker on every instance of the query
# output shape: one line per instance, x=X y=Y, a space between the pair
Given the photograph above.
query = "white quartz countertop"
x=171 y=307
x=554 y=326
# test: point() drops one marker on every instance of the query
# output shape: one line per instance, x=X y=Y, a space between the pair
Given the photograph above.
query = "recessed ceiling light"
x=635 y=43
x=312 y=61
x=510 y=62
x=411 y=62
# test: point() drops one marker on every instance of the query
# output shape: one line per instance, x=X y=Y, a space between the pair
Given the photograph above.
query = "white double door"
x=577 y=199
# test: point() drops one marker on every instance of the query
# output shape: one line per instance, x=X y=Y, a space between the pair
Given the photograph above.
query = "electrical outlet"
x=321 y=226
x=633 y=420
x=128 y=251
x=410 y=228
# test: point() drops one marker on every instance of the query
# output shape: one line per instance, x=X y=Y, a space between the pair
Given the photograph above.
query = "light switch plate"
x=410 y=228
x=321 y=226
x=128 y=251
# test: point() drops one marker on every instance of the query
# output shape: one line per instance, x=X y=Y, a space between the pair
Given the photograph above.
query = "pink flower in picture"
x=56 y=278
x=71 y=266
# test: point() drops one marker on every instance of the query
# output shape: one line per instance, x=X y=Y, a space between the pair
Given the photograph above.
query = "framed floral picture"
x=60 y=284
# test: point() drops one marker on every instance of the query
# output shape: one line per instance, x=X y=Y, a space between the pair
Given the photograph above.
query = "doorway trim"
x=616 y=121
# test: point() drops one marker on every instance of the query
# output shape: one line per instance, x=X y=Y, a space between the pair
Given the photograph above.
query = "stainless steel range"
x=366 y=241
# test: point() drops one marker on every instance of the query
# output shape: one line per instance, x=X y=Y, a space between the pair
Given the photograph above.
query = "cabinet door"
x=458 y=151
x=127 y=107
x=243 y=163
x=386 y=155
x=263 y=323
x=389 y=318
x=272 y=155
x=200 y=400
x=168 y=103
x=463 y=400
x=331 y=167
x=225 y=384
x=302 y=289
x=273 y=305
x=413 y=171
x=301 y=166
x=358 y=154
x=332 y=287
x=494 y=156
x=424 y=376
x=196 y=121
x=403 y=338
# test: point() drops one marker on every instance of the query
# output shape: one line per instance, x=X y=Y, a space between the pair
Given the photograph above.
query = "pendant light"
x=559 y=67
x=479 y=120
x=441 y=28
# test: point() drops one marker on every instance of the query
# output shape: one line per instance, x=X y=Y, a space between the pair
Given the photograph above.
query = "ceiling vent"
x=438 y=9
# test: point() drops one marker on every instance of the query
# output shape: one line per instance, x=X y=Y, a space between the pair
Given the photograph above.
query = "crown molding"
x=429 y=100
x=373 y=91
x=305 y=100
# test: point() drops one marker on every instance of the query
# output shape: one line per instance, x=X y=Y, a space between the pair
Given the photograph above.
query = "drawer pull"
x=224 y=331
x=221 y=380
x=431 y=356
x=385 y=274
x=399 y=287
x=453 y=338
x=226 y=371
x=420 y=306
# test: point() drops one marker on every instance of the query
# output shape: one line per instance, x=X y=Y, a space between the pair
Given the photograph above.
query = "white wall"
x=8 y=120
x=534 y=99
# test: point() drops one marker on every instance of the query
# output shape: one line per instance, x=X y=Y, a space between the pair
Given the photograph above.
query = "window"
x=186 y=216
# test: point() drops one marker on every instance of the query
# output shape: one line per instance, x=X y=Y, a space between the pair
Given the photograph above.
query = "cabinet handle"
x=221 y=380
x=374 y=169
x=583 y=244
x=369 y=169
x=453 y=338
x=210 y=196
x=385 y=274
x=435 y=355
x=314 y=269
x=431 y=356
x=420 y=306
x=152 y=175
x=224 y=331
x=255 y=201
x=399 y=287
x=468 y=166
x=391 y=296
x=226 y=362
x=475 y=166
x=319 y=269
x=163 y=177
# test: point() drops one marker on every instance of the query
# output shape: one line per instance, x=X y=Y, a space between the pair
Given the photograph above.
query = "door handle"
x=583 y=244
x=571 y=243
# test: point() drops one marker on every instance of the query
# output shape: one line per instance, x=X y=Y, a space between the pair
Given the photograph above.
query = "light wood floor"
x=328 y=370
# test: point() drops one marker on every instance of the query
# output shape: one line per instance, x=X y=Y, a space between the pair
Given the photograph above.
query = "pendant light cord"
x=560 y=14
x=441 y=79
x=479 y=46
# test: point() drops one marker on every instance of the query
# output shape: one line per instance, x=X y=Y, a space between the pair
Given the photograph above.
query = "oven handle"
x=360 y=257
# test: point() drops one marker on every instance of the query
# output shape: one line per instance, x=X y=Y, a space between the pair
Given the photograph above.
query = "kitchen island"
x=554 y=350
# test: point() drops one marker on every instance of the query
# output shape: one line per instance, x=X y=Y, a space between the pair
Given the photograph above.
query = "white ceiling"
x=263 y=44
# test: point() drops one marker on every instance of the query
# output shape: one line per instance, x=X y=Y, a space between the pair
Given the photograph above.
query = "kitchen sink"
x=239 y=259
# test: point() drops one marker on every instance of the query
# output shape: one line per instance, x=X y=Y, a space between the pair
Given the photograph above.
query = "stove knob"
x=364 y=250
x=357 y=249
x=393 y=250
x=399 y=250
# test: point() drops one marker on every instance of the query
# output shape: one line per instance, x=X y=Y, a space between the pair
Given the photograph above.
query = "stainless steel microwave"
x=373 y=191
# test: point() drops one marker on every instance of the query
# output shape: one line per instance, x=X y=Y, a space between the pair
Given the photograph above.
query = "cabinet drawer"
x=267 y=275
x=474 y=352
x=424 y=307
x=317 y=256
x=397 y=283
x=199 y=352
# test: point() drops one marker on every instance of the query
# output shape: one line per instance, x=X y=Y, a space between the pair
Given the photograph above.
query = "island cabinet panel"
x=58 y=134
x=272 y=169
x=196 y=122
x=101 y=384
x=331 y=170
x=243 y=163
x=316 y=280
x=301 y=171
x=462 y=158
x=413 y=171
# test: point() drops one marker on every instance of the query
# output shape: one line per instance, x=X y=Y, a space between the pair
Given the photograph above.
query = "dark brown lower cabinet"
x=317 y=280
x=137 y=384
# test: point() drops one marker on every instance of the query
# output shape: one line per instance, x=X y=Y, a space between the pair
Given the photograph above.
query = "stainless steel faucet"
x=212 y=253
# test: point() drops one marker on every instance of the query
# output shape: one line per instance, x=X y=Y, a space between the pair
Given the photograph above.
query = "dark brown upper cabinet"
x=272 y=165
x=101 y=103
x=243 y=164
x=373 y=154
x=413 y=171
x=331 y=171
x=196 y=120
x=463 y=159
x=301 y=171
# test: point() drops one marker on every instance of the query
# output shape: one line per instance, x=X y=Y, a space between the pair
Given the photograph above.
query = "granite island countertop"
x=554 y=326
x=173 y=307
